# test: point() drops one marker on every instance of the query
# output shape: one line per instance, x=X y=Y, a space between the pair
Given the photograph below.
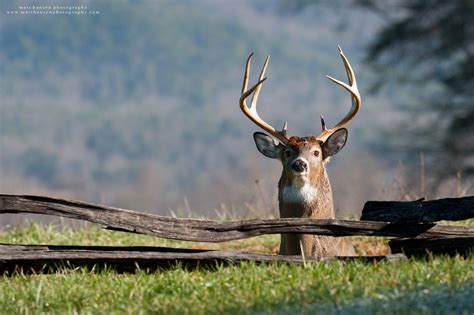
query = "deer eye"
x=316 y=153
x=287 y=153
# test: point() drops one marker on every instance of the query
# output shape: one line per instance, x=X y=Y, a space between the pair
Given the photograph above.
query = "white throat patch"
x=299 y=194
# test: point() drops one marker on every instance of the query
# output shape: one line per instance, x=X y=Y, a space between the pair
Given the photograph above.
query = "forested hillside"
x=138 y=106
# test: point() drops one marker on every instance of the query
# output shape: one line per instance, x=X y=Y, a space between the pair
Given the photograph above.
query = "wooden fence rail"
x=451 y=209
x=410 y=223
x=217 y=231
x=36 y=257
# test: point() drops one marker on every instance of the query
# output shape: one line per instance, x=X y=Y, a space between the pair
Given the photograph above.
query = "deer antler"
x=355 y=96
x=251 y=112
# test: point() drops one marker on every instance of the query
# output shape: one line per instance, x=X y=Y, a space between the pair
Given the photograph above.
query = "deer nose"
x=299 y=165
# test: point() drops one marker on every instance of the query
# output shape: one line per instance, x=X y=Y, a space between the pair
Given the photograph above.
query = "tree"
x=431 y=44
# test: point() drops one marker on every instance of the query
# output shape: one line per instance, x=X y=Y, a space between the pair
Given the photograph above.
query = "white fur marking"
x=299 y=194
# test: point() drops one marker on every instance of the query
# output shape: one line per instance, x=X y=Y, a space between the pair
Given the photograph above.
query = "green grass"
x=439 y=285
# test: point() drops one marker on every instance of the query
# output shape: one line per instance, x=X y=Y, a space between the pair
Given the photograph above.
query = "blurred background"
x=136 y=105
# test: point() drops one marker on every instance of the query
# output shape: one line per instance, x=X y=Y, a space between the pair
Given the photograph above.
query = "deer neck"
x=306 y=197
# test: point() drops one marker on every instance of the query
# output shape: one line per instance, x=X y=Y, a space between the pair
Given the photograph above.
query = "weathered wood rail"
x=450 y=209
x=414 y=236
x=217 y=231
x=36 y=257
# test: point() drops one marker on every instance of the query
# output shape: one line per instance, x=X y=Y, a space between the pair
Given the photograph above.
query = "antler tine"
x=355 y=97
x=247 y=73
x=323 y=123
x=347 y=65
x=251 y=112
x=253 y=102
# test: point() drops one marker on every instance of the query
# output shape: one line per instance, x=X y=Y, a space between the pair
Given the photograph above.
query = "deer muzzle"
x=299 y=165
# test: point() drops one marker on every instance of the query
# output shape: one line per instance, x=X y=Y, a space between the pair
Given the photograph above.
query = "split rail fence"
x=412 y=226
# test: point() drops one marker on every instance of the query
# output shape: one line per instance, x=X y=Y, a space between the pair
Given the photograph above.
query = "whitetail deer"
x=304 y=190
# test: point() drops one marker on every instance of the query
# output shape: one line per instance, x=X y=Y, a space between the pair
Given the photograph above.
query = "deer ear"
x=334 y=143
x=267 y=146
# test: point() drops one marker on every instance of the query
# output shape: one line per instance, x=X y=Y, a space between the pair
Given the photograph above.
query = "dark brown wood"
x=216 y=231
x=48 y=258
x=453 y=209
x=422 y=247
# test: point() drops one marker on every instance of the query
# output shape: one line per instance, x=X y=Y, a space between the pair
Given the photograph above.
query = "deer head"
x=304 y=188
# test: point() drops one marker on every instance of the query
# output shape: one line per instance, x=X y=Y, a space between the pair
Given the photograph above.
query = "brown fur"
x=319 y=208
x=304 y=189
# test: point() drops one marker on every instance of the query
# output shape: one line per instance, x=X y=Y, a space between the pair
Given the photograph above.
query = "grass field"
x=442 y=285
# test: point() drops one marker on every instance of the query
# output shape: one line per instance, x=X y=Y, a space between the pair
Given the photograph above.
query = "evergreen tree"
x=431 y=44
